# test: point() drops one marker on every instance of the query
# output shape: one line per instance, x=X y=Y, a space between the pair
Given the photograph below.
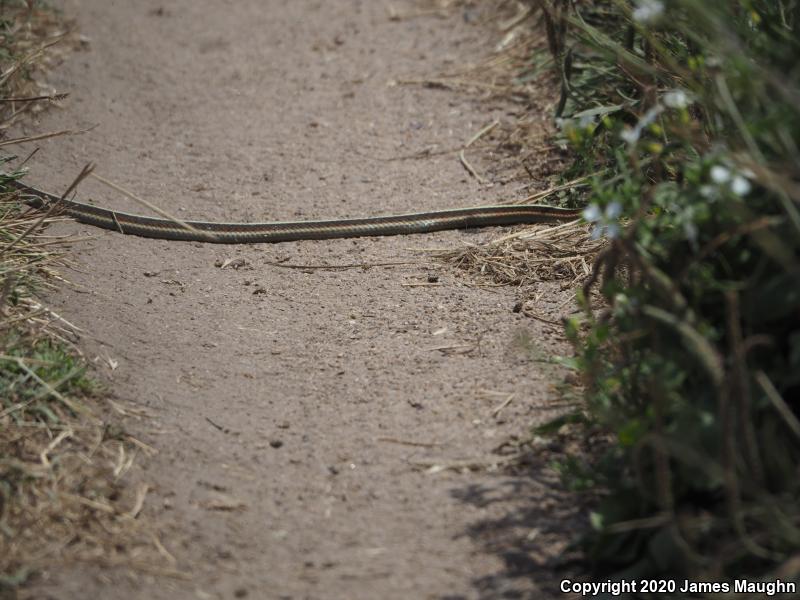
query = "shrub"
x=690 y=347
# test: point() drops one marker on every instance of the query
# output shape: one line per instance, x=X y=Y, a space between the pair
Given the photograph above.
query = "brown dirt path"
x=283 y=395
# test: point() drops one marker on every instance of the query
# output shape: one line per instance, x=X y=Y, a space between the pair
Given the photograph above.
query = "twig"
x=451 y=347
x=778 y=402
x=207 y=234
x=102 y=506
x=496 y=410
x=67 y=433
x=425 y=153
x=337 y=267
x=580 y=181
x=141 y=494
x=533 y=315
x=15 y=408
x=41 y=136
x=391 y=440
x=422 y=284
x=463 y=158
x=52 y=98
x=451 y=83
x=162 y=550
x=435 y=466
x=220 y=427
x=470 y=169
x=481 y=133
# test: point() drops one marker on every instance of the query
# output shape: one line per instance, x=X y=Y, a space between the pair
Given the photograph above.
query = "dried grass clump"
x=498 y=75
x=64 y=490
x=64 y=493
x=33 y=38
x=534 y=254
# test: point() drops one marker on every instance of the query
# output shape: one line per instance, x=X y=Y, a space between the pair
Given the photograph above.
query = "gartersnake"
x=252 y=233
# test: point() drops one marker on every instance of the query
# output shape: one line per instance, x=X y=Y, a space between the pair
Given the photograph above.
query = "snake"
x=290 y=231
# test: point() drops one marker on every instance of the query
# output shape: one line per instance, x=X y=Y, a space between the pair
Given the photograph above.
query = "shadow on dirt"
x=538 y=521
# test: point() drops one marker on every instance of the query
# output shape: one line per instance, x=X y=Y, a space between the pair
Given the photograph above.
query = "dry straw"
x=538 y=253
x=65 y=464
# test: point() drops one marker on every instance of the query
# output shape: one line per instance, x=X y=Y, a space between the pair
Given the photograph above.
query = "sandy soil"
x=290 y=407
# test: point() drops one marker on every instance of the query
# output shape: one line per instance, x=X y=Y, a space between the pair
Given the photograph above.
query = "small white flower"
x=740 y=186
x=613 y=210
x=735 y=180
x=563 y=124
x=720 y=175
x=690 y=230
x=597 y=232
x=708 y=191
x=611 y=231
x=630 y=134
x=592 y=213
x=647 y=11
x=586 y=121
x=676 y=98
x=650 y=116
x=605 y=221
x=621 y=300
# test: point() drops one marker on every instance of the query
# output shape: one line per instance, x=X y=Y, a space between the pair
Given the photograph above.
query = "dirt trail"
x=291 y=396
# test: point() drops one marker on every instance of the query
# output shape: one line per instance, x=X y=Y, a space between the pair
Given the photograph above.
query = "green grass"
x=35 y=373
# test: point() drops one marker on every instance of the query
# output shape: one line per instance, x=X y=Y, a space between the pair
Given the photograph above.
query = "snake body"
x=252 y=233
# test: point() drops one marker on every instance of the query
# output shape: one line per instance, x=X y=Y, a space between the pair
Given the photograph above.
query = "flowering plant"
x=690 y=340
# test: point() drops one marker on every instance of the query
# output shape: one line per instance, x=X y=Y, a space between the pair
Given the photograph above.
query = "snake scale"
x=253 y=233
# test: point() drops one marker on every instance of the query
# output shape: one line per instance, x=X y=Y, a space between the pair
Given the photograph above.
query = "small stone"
x=276 y=443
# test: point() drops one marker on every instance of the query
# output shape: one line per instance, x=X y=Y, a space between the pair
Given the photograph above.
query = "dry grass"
x=33 y=39
x=537 y=253
x=496 y=76
x=67 y=466
x=65 y=490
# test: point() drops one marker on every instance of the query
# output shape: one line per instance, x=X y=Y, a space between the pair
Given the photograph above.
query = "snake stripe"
x=253 y=233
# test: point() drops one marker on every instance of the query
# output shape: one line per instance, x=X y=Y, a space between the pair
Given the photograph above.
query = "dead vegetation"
x=534 y=254
x=66 y=462
x=33 y=39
